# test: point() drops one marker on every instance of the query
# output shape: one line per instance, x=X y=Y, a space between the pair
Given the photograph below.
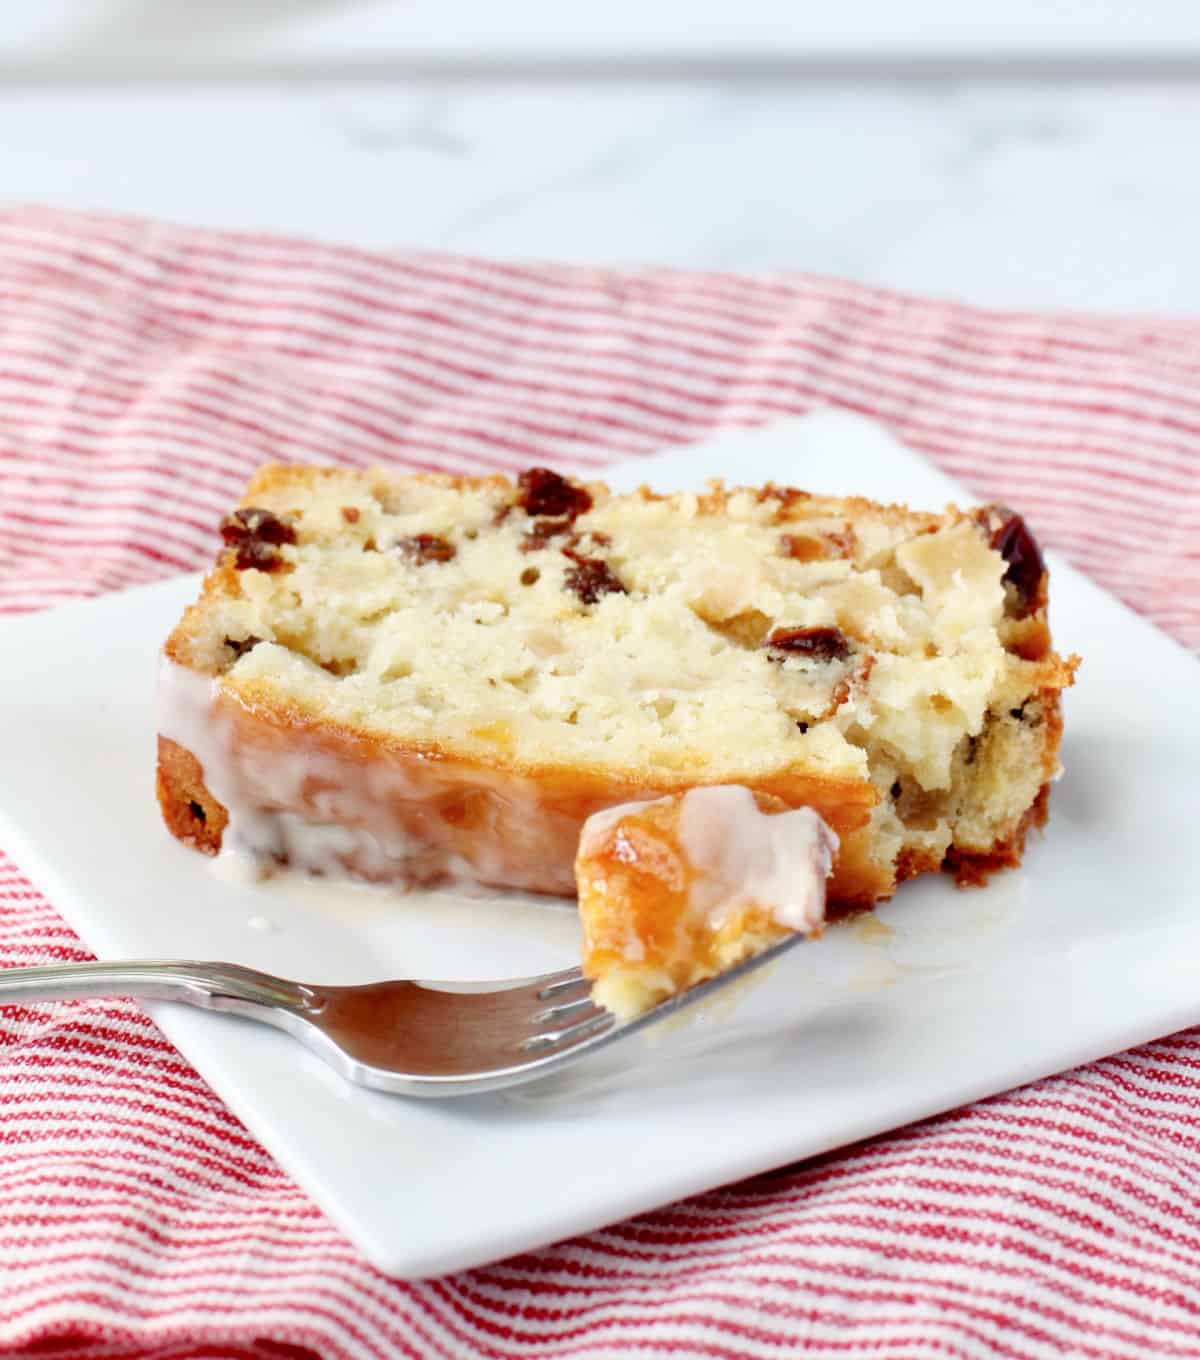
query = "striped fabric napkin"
x=145 y=370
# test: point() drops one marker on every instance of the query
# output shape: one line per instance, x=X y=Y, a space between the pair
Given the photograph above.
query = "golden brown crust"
x=467 y=804
x=793 y=504
x=972 y=869
x=190 y=811
x=518 y=827
x=1028 y=638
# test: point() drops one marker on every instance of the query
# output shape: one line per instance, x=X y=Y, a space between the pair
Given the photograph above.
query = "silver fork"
x=408 y=1038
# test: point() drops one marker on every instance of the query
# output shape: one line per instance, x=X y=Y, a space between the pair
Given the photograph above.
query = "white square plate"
x=1089 y=948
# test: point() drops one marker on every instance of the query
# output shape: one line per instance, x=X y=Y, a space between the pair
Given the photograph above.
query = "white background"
x=1025 y=153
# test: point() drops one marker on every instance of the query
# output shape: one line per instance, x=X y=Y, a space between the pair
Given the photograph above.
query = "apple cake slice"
x=427 y=677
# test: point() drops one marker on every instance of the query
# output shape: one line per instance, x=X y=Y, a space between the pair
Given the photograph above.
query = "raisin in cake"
x=682 y=888
x=414 y=678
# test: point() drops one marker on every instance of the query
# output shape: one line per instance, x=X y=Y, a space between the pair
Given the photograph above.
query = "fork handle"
x=213 y=986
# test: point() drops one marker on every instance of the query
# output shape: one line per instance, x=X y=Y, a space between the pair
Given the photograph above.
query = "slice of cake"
x=421 y=678
x=684 y=887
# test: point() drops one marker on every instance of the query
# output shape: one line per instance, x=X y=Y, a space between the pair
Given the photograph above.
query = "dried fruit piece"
x=822 y=644
x=1013 y=541
x=543 y=492
x=542 y=531
x=240 y=646
x=590 y=578
x=257 y=536
x=422 y=548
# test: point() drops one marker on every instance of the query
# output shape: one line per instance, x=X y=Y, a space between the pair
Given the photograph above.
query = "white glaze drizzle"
x=383 y=818
x=256 y=789
x=743 y=856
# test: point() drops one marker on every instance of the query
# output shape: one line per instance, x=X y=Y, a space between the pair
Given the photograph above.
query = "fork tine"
x=554 y=983
x=586 y=1025
x=572 y=1035
x=563 y=1009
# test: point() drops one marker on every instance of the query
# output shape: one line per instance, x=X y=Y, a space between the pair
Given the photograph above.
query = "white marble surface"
x=1038 y=193
x=95 y=35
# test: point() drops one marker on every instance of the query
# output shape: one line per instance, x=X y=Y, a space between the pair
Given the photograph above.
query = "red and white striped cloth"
x=145 y=370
